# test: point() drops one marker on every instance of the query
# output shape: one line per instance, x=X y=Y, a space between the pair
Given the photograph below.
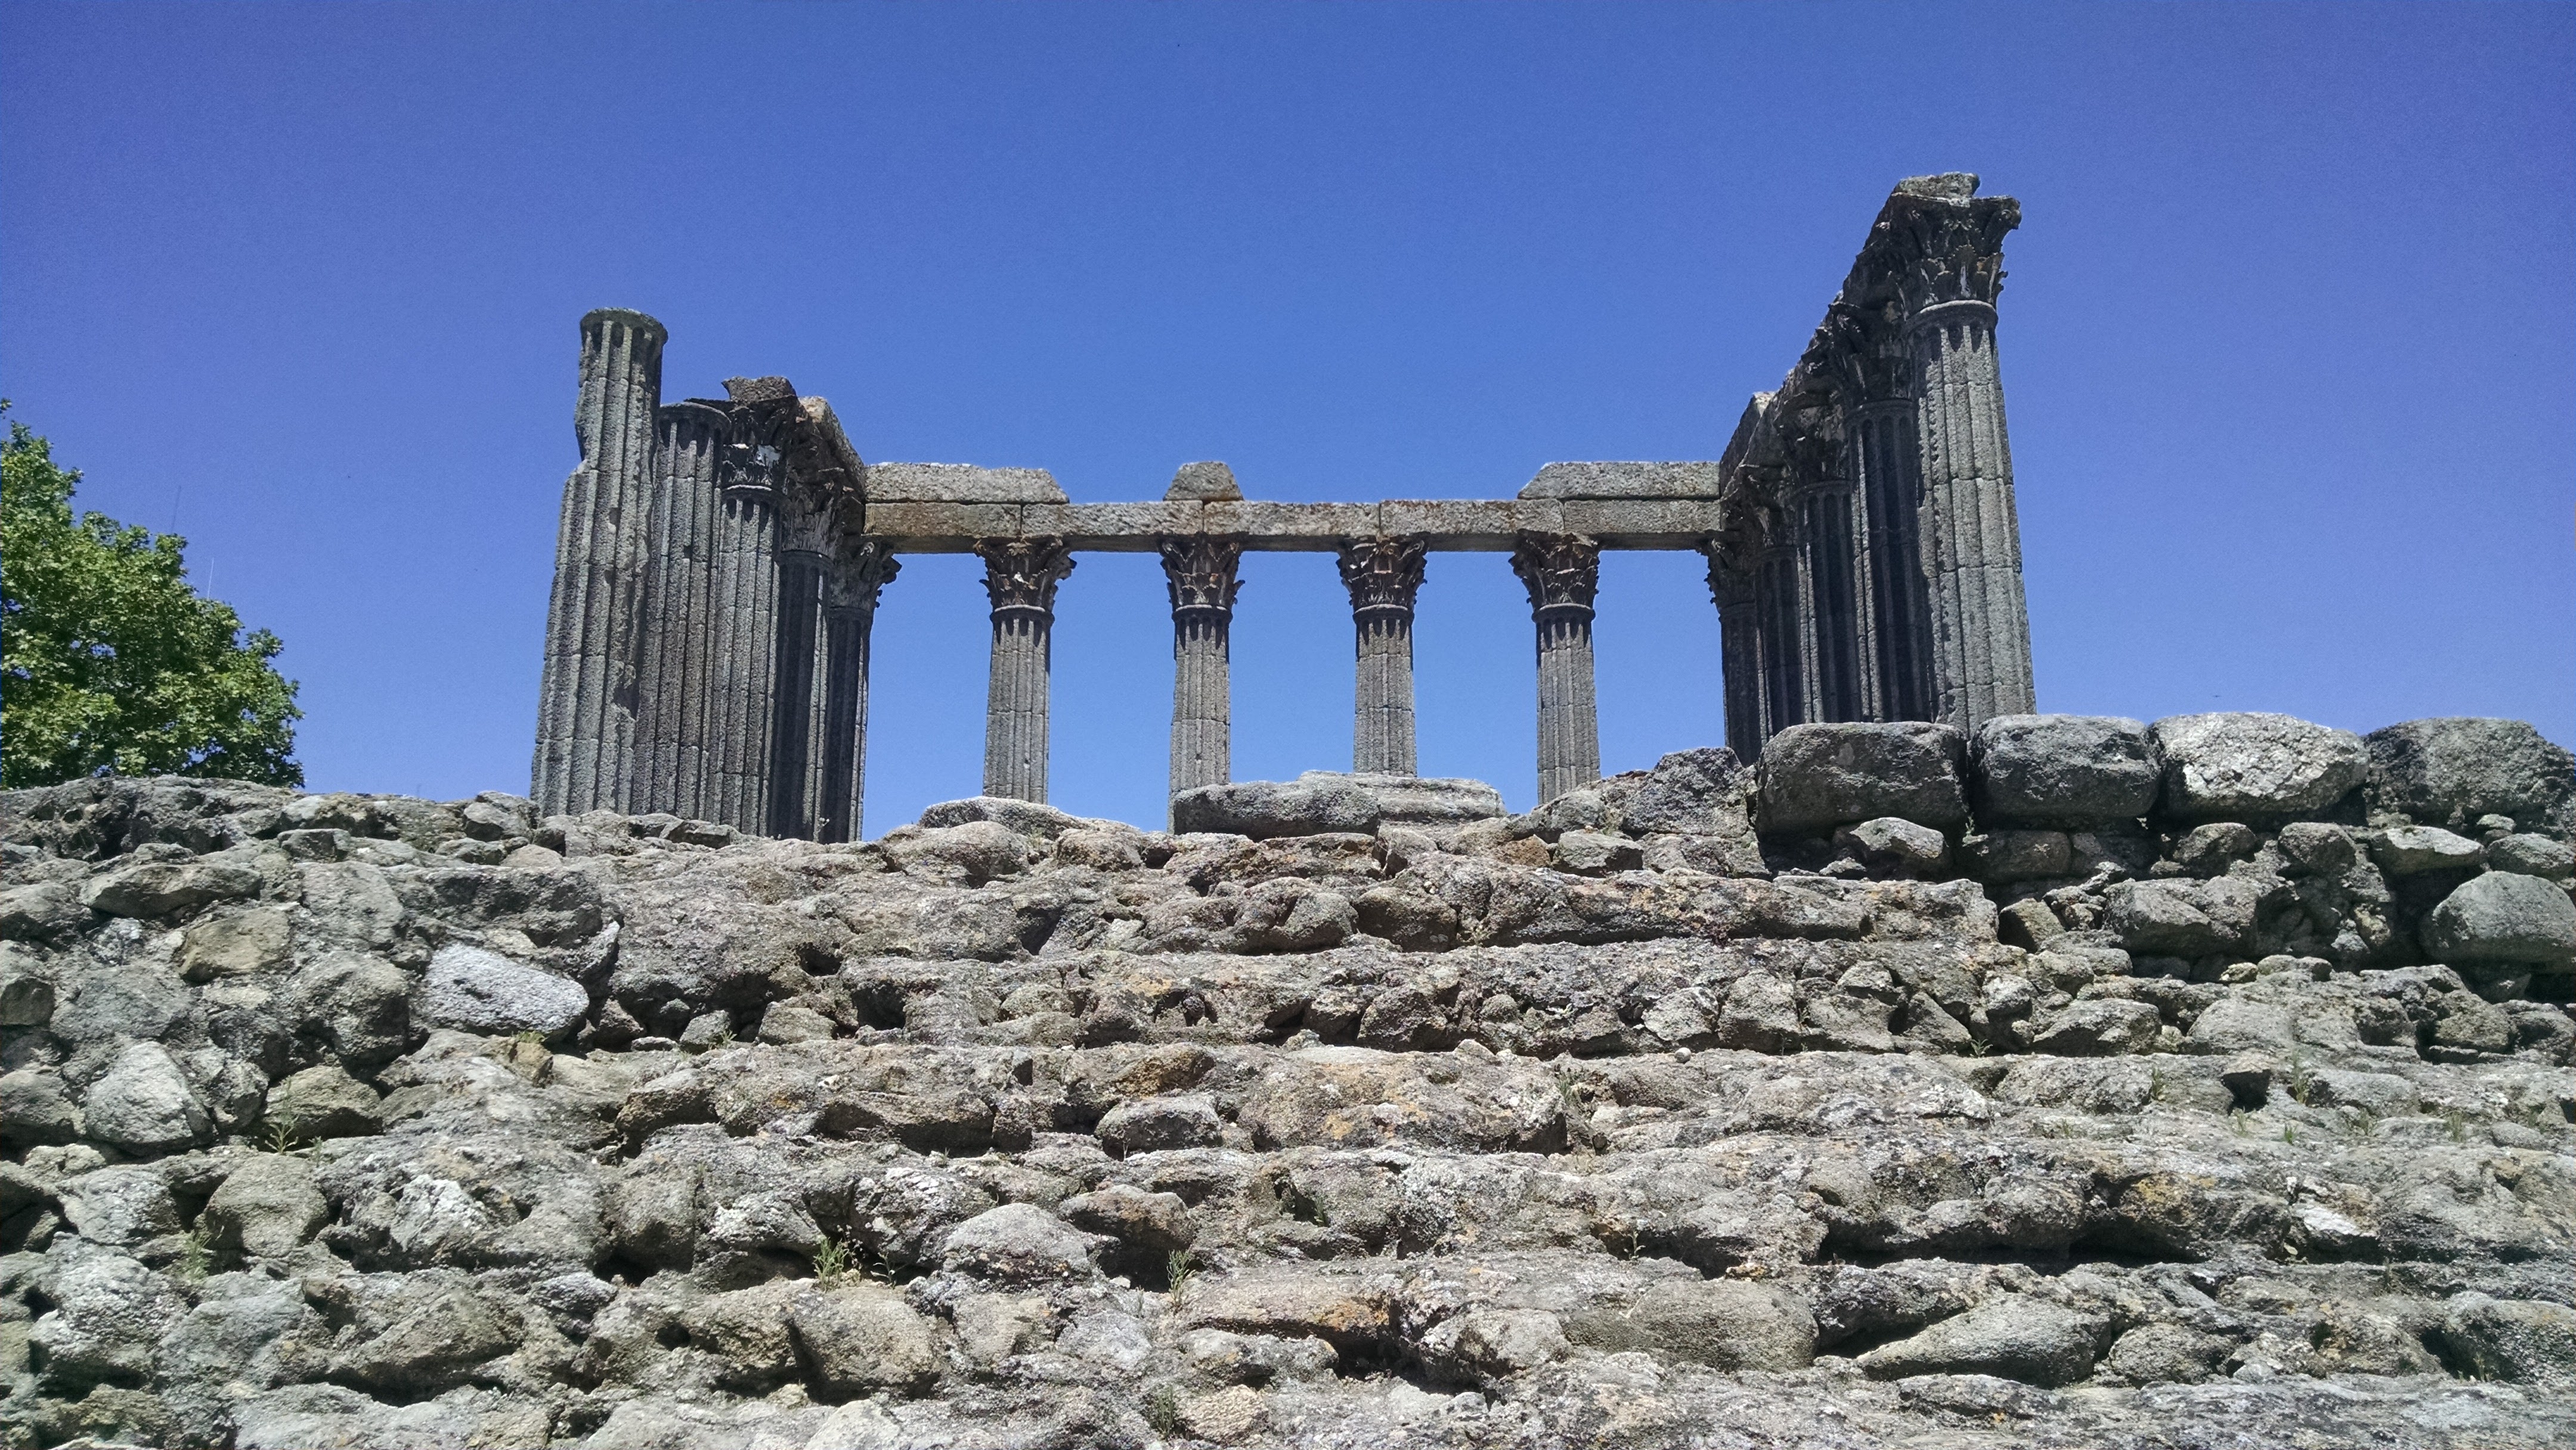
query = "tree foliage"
x=109 y=662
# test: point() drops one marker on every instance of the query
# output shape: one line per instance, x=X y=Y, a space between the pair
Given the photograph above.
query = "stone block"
x=1263 y=809
x=2503 y=917
x=1203 y=483
x=1626 y=480
x=2061 y=770
x=958 y=483
x=1815 y=777
x=2414 y=850
x=2254 y=767
x=2449 y=772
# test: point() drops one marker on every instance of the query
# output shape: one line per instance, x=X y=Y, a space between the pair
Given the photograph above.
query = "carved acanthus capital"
x=1730 y=583
x=1023 y=573
x=1382 y=573
x=1561 y=572
x=1954 y=249
x=747 y=469
x=860 y=571
x=1859 y=354
x=1200 y=571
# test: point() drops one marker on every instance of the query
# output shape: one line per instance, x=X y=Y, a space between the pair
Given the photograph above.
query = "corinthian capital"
x=1382 y=573
x=1199 y=568
x=1023 y=573
x=1561 y=571
x=860 y=571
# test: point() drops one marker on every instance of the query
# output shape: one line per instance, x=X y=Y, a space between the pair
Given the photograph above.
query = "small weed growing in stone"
x=1163 y=1410
x=831 y=1261
x=196 y=1255
x=280 y=1136
x=2457 y=1124
x=2236 y=1122
x=2289 y=1133
x=1179 y=1268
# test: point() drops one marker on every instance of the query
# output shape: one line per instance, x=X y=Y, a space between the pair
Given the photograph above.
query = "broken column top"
x=1203 y=483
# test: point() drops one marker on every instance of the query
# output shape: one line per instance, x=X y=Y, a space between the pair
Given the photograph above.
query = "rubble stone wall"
x=2076 y=1081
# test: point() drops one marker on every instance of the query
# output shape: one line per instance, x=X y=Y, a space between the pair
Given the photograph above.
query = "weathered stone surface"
x=2251 y=766
x=1624 y=480
x=475 y=990
x=2061 y=770
x=2011 y=1335
x=960 y=483
x=1265 y=809
x=167 y=888
x=144 y=1103
x=1819 y=776
x=1893 y=846
x=863 y=1339
x=2414 y=850
x=1020 y=1243
x=121 y=1207
x=2503 y=917
x=267 y=1207
x=108 y=1317
x=2532 y=855
x=324 y=1102
x=2449 y=772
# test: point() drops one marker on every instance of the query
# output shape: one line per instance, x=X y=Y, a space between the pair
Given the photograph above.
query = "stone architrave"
x=586 y=701
x=1383 y=574
x=1200 y=571
x=1020 y=576
x=1562 y=573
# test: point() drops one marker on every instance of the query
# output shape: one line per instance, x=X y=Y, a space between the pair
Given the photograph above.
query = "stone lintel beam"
x=1442 y=525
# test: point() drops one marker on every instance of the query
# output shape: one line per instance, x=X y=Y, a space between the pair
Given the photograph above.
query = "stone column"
x=586 y=699
x=743 y=671
x=1562 y=572
x=679 y=579
x=1730 y=588
x=1830 y=571
x=1020 y=575
x=862 y=571
x=1383 y=575
x=1200 y=571
x=1779 y=603
x=1889 y=466
x=1980 y=622
x=791 y=806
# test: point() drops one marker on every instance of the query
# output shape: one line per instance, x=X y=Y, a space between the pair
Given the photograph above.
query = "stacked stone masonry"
x=2070 y=1081
x=720 y=563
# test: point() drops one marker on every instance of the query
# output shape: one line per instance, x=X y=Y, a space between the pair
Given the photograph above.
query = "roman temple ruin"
x=721 y=561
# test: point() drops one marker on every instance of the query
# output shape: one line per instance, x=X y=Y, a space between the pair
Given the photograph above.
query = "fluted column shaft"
x=1889 y=465
x=1730 y=588
x=1562 y=572
x=1383 y=576
x=1981 y=624
x=858 y=576
x=586 y=699
x=679 y=579
x=1200 y=572
x=1020 y=576
x=744 y=668
x=794 y=712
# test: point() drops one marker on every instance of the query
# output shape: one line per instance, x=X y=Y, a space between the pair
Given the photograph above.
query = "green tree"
x=109 y=662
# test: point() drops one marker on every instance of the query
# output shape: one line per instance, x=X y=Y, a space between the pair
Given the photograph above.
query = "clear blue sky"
x=2290 y=341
